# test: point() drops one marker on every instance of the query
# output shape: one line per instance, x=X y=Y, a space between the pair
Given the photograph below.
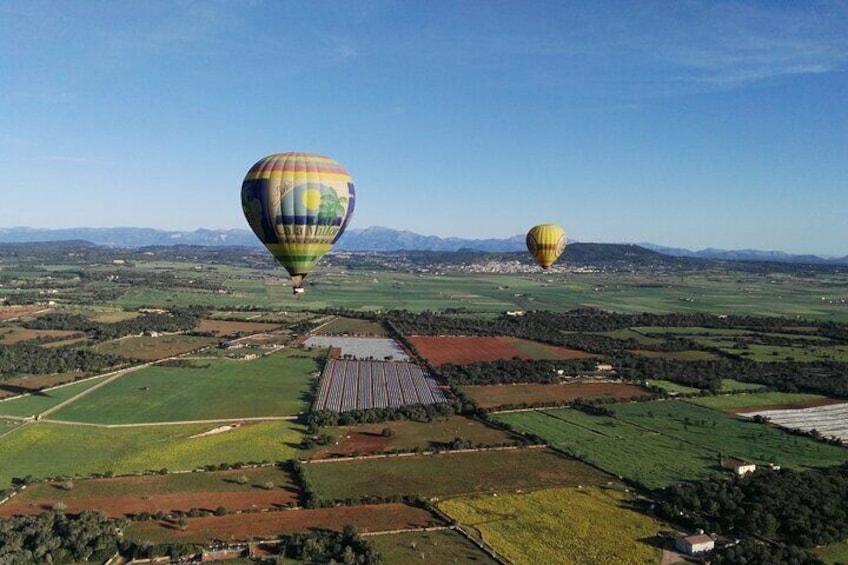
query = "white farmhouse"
x=694 y=545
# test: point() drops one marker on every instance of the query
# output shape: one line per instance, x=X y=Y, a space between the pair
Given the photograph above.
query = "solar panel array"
x=360 y=385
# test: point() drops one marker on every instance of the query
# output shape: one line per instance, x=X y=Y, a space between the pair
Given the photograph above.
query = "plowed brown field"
x=459 y=350
x=266 y=525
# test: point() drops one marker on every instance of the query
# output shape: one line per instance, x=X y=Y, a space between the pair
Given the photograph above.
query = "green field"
x=48 y=450
x=732 y=385
x=733 y=401
x=273 y=385
x=794 y=296
x=408 y=435
x=649 y=458
x=440 y=546
x=669 y=386
x=36 y=403
x=833 y=554
x=353 y=326
x=661 y=443
x=448 y=474
x=563 y=525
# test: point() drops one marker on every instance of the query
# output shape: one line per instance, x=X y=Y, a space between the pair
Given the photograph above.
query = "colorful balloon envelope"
x=298 y=205
x=546 y=242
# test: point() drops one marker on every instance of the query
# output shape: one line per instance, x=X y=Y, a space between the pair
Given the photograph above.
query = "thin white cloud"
x=733 y=44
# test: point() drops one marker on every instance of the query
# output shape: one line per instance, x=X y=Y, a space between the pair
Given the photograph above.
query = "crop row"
x=360 y=385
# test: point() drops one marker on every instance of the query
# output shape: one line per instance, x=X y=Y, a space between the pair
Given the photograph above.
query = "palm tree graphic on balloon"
x=331 y=209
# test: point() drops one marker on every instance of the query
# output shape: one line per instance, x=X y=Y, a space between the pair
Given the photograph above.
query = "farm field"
x=17 y=311
x=24 y=384
x=492 y=396
x=440 y=546
x=267 y=488
x=495 y=293
x=36 y=403
x=830 y=421
x=360 y=347
x=448 y=474
x=661 y=443
x=148 y=348
x=351 y=326
x=833 y=554
x=712 y=430
x=673 y=387
x=764 y=400
x=361 y=385
x=269 y=525
x=459 y=350
x=229 y=328
x=274 y=385
x=10 y=335
x=732 y=385
x=368 y=439
x=562 y=525
x=651 y=459
x=689 y=355
x=46 y=450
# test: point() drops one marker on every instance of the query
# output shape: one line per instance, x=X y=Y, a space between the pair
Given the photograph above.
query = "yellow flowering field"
x=560 y=525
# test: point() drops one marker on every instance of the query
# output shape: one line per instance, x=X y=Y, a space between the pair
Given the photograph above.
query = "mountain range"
x=374 y=238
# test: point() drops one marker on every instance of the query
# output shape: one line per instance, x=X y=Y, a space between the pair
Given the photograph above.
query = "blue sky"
x=692 y=124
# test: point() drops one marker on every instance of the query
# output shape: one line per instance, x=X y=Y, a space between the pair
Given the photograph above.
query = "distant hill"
x=374 y=238
x=745 y=255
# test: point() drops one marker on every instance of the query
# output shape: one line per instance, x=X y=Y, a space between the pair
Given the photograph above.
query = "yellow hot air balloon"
x=546 y=242
x=298 y=205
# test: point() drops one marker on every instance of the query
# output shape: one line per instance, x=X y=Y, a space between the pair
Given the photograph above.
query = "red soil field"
x=267 y=525
x=11 y=312
x=492 y=396
x=459 y=350
x=356 y=442
x=124 y=506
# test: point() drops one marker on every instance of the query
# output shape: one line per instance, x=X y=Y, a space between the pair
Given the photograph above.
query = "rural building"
x=603 y=367
x=695 y=544
x=740 y=468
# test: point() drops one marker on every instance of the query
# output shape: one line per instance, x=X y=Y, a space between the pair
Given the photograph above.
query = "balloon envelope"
x=546 y=242
x=298 y=205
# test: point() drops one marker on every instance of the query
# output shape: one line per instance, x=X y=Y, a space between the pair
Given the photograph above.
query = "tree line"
x=794 y=508
x=175 y=320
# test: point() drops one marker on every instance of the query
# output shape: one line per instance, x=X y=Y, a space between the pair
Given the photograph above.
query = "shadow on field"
x=16 y=390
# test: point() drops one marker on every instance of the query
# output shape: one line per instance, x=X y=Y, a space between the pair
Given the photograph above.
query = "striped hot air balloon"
x=298 y=205
x=546 y=242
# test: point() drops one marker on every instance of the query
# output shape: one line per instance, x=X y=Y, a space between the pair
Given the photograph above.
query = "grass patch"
x=351 y=326
x=661 y=443
x=148 y=348
x=49 y=450
x=732 y=385
x=37 y=402
x=833 y=554
x=564 y=525
x=649 y=458
x=440 y=546
x=448 y=474
x=273 y=385
x=408 y=435
x=734 y=401
x=670 y=386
